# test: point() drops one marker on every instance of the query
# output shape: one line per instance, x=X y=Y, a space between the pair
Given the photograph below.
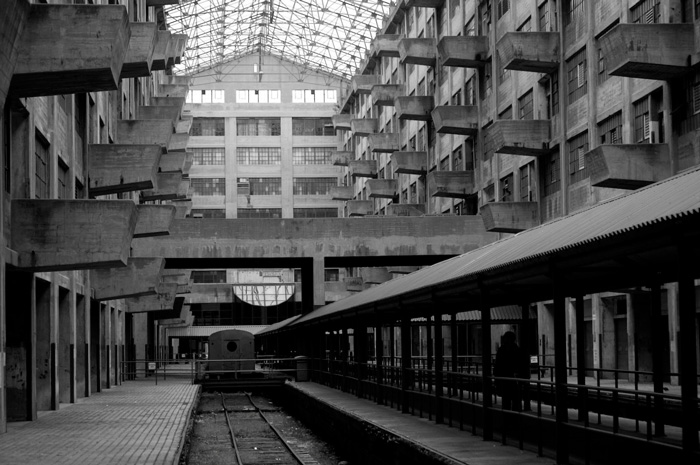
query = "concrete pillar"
x=560 y=375
x=231 y=168
x=140 y=322
x=107 y=345
x=405 y=361
x=66 y=345
x=580 y=354
x=287 y=168
x=82 y=364
x=657 y=350
x=485 y=307
x=44 y=325
x=439 y=349
x=379 y=355
x=455 y=342
x=639 y=328
x=95 y=346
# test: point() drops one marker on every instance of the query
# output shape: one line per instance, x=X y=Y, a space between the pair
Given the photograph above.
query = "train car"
x=231 y=353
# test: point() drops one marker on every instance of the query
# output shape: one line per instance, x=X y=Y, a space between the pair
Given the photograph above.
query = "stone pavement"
x=137 y=422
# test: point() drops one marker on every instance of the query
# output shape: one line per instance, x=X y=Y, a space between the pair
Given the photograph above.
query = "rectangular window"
x=249 y=213
x=646 y=12
x=208 y=127
x=507 y=188
x=576 y=11
x=503 y=73
x=485 y=17
x=489 y=193
x=312 y=127
x=208 y=155
x=525 y=106
x=312 y=155
x=414 y=193
x=41 y=171
x=258 y=156
x=502 y=7
x=576 y=70
x=470 y=27
x=315 y=213
x=314 y=96
x=526 y=187
x=313 y=186
x=208 y=213
x=331 y=274
x=208 y=276
x=610 y=129
x=547 y=17
x=208 y=186
x=6 y=147
x=62 y=179
x=257 y=126
x=457 y=159
x=207 y=96
x=445 y=164
x=469 y=97
x=642 y=123
x=602 y=68
x=526 y=26
x=506 y=114
x=552 y=95
x=578 y=146
x=265 y=186
x=551 y=175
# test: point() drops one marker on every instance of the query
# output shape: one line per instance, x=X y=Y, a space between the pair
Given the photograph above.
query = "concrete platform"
x=137 y=422
x=451 y=444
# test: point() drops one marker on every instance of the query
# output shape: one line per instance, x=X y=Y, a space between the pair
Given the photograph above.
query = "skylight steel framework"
x=325 y=35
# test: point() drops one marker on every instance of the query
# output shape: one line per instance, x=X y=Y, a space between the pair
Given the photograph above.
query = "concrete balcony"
x=375 y=275
x=341 y=122
x=168 y=112
x=342 y=158
x=536 y=52
x=364 y=127
x=154 y=220
x=509 y=217
x=362 y=83
x=169 y=186
x=520 y=137
x=464 y=52
x=145 y=132
x=184 y=124
x=172 y=161
x=173 y=90
x=12 y=22
x=363 y=168
x=189 y=161
x=402 y=269
x=118 y=168
x=183 y=208
x=424 y=3
x=360 y=207
x=628 y=166
x=382 y=188
x=384 y=94
x=410 y=162
x=169 y=102
x=354 y=284
x=159 y=302
x=456 y=119
x=176 y=48
x=160 y=51
x=405 y=209
x=61 y=53
x=140 y=276
x=59 y=235
x=139 y=56
x=384 y=143
x=342 y=193
x=178 y=142
x=414 y=108
x=648 y=51
x=418 y=51
x=452 y=184
x=386 y=45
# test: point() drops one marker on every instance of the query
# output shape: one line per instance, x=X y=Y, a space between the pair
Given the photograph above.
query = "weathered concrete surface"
x=360 y=207
x=386 y=45
x=536 y=52
x=520 y=137
x=382 y=188
x=414 y=108
x=171 y=112
x=384 y=143
x=406 y=209
x=364 y=126
x=183 y=207
x=375 y=275
x=342 y=193
x=341 y=158
x=178 y=142
x=62 y=52
x=161 y=45
x=53 y=235
x=464 y=51
x=134 y=131
x=410 y=162
x=12 y=22
x=139 y=55
x=341 y=122
x=385 y=94
x=418 y=51
x=210 y=294
x=140 y=276
x=163 y=300
x=116 y=168
x=456 y=119
x=629 y=166
x=362 y=168
x=173 y=90
x=172 y=161
x=509 y=217
x=154 y=220
x=170 y=186
x=362 y=83
x=453 y=184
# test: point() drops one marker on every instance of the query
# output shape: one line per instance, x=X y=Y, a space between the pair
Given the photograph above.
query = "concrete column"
x=379 y=356
x=439 y=349
x=231 y=168
x=82 y=364
x=455 y=341
x=287 y=168
x=485 y=307
x=140 y=321
x=66 y=345
x=405 y=361
x=43 y=329
x=107 y=372
x=20 y=331
x=657 y=352
x=639 y=329
x=95 y=354
x=560 y=375
x=580 y=355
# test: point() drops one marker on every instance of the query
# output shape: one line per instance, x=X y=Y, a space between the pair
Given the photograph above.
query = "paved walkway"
x=455 y=446
x=135 y=423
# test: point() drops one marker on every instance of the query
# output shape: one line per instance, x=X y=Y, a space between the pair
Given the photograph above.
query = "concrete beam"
x=520 y=137
x=56 y=235
x=116 y=168
x=178 y=142
x=385 y=94
x=169 y=112
x=536 y=52
x=418 y=51
x=61 y=53
x=159 y=58
x=456 y=119
x=451 y=184
x=386 y=45
x=628 y=166
x=405 y=209
x=139 y=55
x=341 y=122
x=509 y=217
x=342 y=158
x=210 y=294
x=170 y=186
x=12 y=22
x=382 y=188
x=414 y=108
x=362 y=84
x=649 y=51
x=360 y=207
x=173 y=90
x=161 y=2
x=384 y=143
x=402 y=269
x=183 y=207
x=342 y=193
x=179 y=42
x=164 y=300
x=464 y=51
x=172 y=161
x=180 y=277
x=410 y=162
x=140 y=276
x=148 y=132
x=154 y=220
x=184 y=124
x=362 y=168
x=364 y=126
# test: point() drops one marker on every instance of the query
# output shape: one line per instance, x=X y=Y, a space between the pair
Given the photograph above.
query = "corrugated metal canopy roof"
x=667 y=200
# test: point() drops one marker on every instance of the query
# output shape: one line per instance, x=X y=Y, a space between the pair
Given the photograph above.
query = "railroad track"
x=255 y=440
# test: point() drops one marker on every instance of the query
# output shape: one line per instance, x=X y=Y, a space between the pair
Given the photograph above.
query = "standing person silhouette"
x=508 y=365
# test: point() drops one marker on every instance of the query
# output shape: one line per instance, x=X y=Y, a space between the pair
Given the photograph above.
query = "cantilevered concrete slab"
x=452 y=184
x=170 y=186
x=342 y=158
x=55 y=235
x=12 y=22
x=342 y=193
x=341 y=122
x=154 y=220
x=509 y=217
x=360 y=207
x=178 y=142
x=364 y=126
x=354 y=284
x=140 y=276
x=159 y=51
x=184 y=124
x=163 y=300
x=60 y=51
x=173 y=90
x=384 y=143
x=385 y=94
x=418 y=51
x=177 y=49
x=414 y=108
x=363 y=168
x=210 y=294
x=145 y=131
x=520 y=137
x=179 y=277
x=464 y=51
x=169 y=112
x=172 y=161
x=628 y=166
x=362 y=84
x=116 y=168
x=410 y=162
x=177 y=80
x=649 y=51
x=405 y=209
x=382 y=188
x=183 y=207
x=536 y=52
x=139 y=55
x=386 y=45
x=456 y=119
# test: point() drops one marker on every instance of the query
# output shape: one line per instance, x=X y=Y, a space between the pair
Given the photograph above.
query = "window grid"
x=62 y=180
x=578 y=146
x=208 y=127
x=646 y=12
x=208 y=276
x=610 y=129
x=507 y=188
x=313 y=186
x=502 y=7
x=312 y=155
x=641 y=121
x=526 y=191
x=208 y=213
x=315 y=213
x=457 y=160
x=258 y=156
x=525 y=107
x=552 y=179
x=258 y=126
x=41 y=171
x=208 y=156
x=576 y=69
x=312 y=127
x=251 y=213
x=208 y=186
x=265 y=186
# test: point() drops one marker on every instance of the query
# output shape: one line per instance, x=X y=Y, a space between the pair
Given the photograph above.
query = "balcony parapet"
x=382 y=188
x=384 y=143
x=536 y=52
x=451 y=184
x=154 y=220
x=649 y=51
x=363 y=168
x=414 y=108
x=341 y=122
x=364 y=127
x=342 y=193
x=360 y=207
x=139 y=56
x=363 y=83
x=342 y=158
x=140 y=276
x=405 y=209
x=456 y=119
x=410 y=162
x=386 y=45
x=116 y=168
x=160 y=50
x=169 y=112
x=169 y=186
x=520 y=137
x=172 y=161
x=418 y=51
x=178 y=142
x=173 y=90
x=183 y=207
x=628 y=166
x=145 y=132
x=464 y=51
x=424 y=3
x=375 y=275
x=384 y=94
x=509 y=217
